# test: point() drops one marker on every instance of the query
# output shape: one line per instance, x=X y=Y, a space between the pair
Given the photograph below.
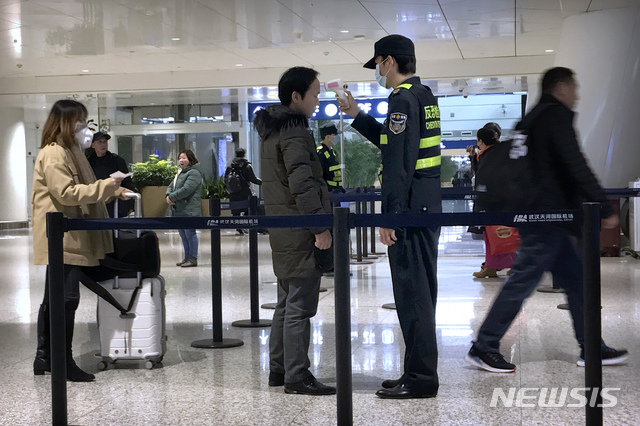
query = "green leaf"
x=154 y=172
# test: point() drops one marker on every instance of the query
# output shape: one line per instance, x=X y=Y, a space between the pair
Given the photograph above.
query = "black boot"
x=74 y=373
x=42 y=362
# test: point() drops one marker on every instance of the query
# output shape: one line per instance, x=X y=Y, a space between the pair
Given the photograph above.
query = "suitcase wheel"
x=149 y=365
x=102 y=365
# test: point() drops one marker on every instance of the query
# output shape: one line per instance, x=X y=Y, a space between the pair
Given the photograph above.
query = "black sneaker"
x=493 y=362
x=610 y=356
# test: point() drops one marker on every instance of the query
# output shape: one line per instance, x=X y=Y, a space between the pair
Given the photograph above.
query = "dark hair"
x=494 y=127
x=554 y=76
x=241 y=152
x=406 y=64
x=487 y=136
x=296 y=79
x=190 y=156
x=61 y=122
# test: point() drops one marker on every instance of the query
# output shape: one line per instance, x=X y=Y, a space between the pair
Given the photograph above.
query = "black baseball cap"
x=98 y=135
x=328 y=129
x=393 y=44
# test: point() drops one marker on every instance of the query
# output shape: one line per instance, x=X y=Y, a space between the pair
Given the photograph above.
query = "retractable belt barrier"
x=341 y=221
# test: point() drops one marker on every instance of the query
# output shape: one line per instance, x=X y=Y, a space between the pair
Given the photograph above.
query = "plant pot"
x=154 y=202
x=204 y=207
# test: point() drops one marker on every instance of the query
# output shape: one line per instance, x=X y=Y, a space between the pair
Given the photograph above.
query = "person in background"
x=293 y=185
x=563 y=179
x=245 y=174
x=183 y=195
x=330 y=167
x=486 y=138
x=64 y=182
x=103 y=162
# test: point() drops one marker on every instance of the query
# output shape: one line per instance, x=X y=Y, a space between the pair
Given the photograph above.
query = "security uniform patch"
x=397 y=122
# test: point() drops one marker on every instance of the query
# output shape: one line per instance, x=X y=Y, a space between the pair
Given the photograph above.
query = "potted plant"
x=151 y=179
x=362 y=162
x=213 y=188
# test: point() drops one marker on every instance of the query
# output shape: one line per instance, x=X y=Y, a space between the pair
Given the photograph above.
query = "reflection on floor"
x=229 y=386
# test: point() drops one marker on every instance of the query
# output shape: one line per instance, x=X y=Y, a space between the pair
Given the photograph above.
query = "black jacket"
x=562 y=176
x=413 y=118
x=102 y=168
x=247 y=173
x=293 y=184
x=330 y=167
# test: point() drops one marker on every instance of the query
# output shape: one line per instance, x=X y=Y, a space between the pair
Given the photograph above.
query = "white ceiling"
x=93 y=43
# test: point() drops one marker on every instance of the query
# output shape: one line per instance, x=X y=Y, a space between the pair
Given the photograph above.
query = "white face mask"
x=381 y=79
x=84 y=137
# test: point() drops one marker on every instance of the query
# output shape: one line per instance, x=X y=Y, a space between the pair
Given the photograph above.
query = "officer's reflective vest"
x=332 y=173
x=428 y=164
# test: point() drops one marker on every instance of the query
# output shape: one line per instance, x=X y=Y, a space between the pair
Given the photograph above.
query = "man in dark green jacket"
x=292 y=184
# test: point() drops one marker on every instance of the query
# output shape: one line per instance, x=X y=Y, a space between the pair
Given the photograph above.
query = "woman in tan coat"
x=64 y=182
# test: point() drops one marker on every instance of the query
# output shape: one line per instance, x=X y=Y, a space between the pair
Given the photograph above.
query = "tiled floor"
x=229 y=386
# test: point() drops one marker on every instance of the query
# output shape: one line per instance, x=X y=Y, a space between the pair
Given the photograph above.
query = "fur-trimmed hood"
x=276 y=118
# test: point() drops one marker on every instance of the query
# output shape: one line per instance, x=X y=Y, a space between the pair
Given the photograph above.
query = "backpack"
x=508 y=183
x=234 y=180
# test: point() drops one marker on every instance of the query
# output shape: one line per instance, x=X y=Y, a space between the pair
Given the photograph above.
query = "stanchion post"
x=592 y=313
x=358 y=235
x=342 y=290
x=218 y=341
x=365 y=243
x=55 y=235
x=372 y=208
x=254 y=288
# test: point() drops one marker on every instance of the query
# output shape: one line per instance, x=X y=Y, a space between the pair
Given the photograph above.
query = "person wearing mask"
x=497 y=260
x=183 y=195
x=103 y=162
x=64 y=182
x=484 y=164
x=562 y=180
x=410 y=143
x=293 y=185
x=241 y=168
x=330 y=167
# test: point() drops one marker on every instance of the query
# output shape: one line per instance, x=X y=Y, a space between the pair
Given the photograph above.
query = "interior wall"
x=607 y=66
x=13 y=168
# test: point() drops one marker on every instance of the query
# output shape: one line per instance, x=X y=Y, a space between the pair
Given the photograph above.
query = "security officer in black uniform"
x=330 y=167
x=410 y=144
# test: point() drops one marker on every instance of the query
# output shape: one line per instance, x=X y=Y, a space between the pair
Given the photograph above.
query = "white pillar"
x=13 y=166
x=603 y=48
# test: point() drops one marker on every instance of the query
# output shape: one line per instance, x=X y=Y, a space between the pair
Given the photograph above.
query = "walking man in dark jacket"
x=562 y=180
x=246 y=175
x=293 y=185
x=410 y=143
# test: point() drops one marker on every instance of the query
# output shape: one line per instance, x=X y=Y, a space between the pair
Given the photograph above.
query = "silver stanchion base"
x=550 y=290
x=210 y=344
x=389 y=306
x=361 y=262
x=268 y=305
x=251 y=324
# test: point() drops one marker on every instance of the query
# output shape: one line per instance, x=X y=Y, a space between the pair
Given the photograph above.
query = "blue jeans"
x=542 y=248
x=189 y=243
